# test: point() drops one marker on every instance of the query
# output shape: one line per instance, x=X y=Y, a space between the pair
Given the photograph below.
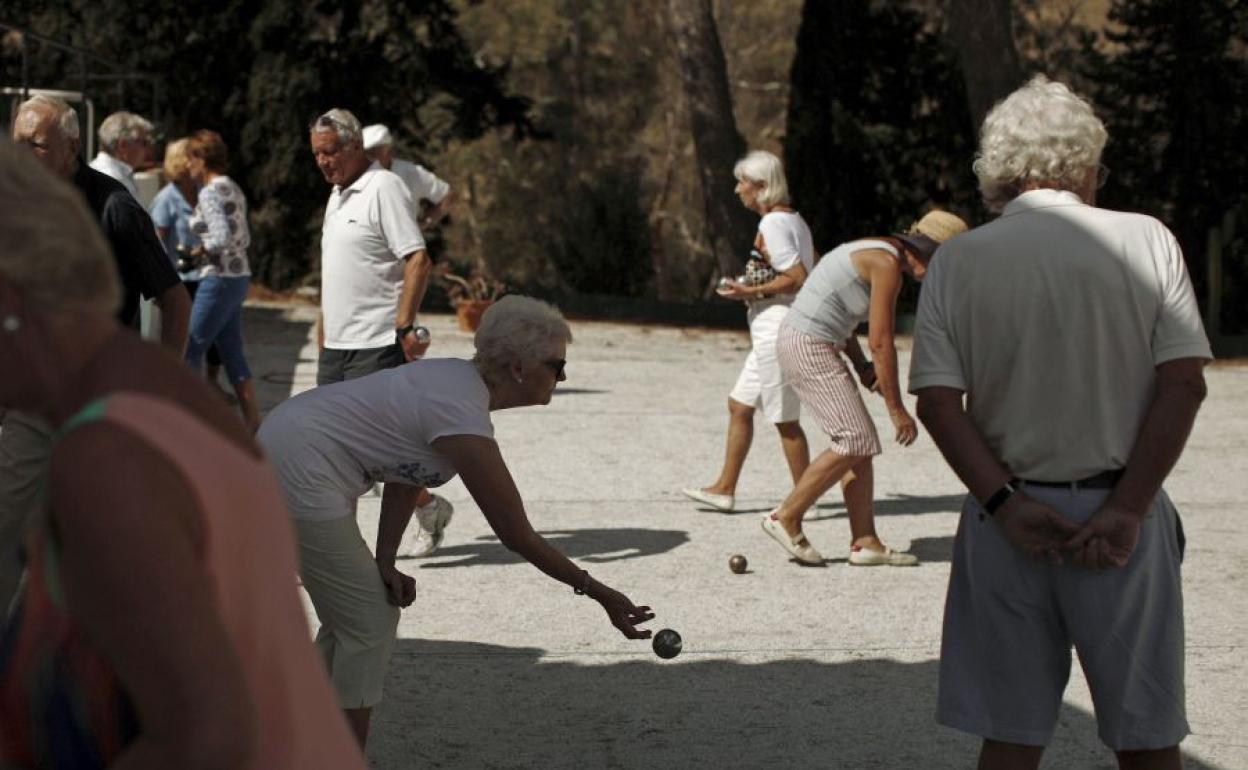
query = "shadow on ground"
x=276 y=338
x=458 y=704
x=595 y=546
x=901 y=505
x=889 y=506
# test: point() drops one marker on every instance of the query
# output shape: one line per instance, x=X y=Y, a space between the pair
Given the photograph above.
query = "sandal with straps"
x=806 y=554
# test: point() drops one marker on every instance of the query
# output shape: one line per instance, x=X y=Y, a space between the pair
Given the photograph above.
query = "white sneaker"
x=716 y=501
x=431 y=521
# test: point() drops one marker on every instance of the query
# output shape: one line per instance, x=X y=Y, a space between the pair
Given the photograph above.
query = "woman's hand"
x=866 y=375
x=400 y=588
x=623 y=613
x=730 y=289
x=907 y=430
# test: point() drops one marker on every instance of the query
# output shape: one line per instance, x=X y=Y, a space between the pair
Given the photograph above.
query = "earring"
x=11 y=323
x=519 y=378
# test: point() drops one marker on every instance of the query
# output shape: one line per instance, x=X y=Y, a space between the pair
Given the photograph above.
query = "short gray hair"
x=51 y=247
x=766 y=169
x=1042 y=133
x=519 y=329
x=66 y=116
x=122 y=125
x=342 y=123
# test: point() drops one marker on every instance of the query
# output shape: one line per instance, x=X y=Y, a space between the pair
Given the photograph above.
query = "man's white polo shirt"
x=122 y=172
x=1053 y=319
x=369 y=228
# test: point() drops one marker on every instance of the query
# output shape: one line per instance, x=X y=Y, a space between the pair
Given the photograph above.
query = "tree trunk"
x=981 y=34
x=717 y=145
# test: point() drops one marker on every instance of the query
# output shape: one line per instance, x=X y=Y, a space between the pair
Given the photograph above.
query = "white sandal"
x=806 y=554
x=717 y=501
x=865 y=557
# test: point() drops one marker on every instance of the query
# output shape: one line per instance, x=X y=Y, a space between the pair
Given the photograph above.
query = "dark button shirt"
x=141 y=260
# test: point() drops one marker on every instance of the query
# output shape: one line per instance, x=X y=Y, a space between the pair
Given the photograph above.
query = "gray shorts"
x=339 y=365
x=1010 y=623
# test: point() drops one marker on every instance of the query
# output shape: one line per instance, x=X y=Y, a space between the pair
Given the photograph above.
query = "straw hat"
x=933 y=229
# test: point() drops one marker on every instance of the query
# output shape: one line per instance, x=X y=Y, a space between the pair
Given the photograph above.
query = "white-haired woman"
x=855 y=282
x=422 y=424
x=784 y=252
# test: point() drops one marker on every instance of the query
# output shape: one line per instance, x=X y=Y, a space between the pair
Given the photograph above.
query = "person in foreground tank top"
x=159 y=625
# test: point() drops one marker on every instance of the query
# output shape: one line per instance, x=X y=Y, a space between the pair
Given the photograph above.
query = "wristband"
x=999 y=497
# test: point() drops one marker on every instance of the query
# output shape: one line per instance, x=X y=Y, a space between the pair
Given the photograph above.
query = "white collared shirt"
x=122 y=172
x=423 y=184
x=1052 y=319
x=369 y=228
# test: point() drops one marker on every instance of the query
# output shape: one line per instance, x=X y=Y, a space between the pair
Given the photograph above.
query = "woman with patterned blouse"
x=220 y=222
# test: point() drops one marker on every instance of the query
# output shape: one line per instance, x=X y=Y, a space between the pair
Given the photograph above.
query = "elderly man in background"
x=1073 y=334
x=125 y=146
x=422 y=183
x=374 y=272
x=49 y=127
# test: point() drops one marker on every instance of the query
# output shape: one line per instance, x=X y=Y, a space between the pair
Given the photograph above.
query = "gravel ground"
x=497 y=666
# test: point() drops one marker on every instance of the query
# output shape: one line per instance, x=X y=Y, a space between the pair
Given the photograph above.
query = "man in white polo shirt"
x=125 y=144
x=374 y=272
x=1074 y=336
x=422 y=183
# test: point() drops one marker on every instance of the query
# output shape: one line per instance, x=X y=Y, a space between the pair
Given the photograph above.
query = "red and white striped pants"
x=814 y=369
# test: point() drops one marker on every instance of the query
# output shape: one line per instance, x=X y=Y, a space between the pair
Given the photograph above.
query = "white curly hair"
x=1043 y=133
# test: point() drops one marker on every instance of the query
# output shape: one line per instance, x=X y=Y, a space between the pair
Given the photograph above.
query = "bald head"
x=49 y=127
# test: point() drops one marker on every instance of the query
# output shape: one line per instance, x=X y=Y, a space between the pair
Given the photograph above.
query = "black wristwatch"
x=999 y=497
x=422 y=334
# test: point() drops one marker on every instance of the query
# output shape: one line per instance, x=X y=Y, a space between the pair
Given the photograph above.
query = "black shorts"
x=341 y=365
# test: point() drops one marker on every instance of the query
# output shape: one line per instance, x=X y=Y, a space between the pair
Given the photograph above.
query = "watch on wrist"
x=422 y=334
x=998 y=498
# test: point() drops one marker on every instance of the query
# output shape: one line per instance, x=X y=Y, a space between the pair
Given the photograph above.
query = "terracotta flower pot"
x=468 y=312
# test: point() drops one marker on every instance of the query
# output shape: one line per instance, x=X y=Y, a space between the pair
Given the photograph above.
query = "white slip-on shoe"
x=431 y=520
x=806 y=554
x=718 y=502
x=865 y=557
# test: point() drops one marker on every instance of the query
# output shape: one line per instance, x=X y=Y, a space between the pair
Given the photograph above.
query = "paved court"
x=785 y=666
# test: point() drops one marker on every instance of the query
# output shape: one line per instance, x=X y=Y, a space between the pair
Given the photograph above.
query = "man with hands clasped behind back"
x=1073 y=333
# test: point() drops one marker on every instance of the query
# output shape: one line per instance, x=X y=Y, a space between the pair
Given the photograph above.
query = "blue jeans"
x=217 y=317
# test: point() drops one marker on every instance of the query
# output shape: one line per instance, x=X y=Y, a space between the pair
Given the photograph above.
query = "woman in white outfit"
x=784 y=245
x=422 y=423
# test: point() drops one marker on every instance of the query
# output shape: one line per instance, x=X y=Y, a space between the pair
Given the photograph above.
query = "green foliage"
x=259 y=71
x=1174 y=86
x=878 y=124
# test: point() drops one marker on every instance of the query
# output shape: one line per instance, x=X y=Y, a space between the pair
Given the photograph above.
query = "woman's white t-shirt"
x=788 y=241
x=329 y=445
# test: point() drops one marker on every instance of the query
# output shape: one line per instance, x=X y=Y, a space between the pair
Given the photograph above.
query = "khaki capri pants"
x=358 y=625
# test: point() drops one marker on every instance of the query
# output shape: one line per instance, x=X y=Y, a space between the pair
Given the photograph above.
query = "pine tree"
x=879 y=127
x=1174 y=89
